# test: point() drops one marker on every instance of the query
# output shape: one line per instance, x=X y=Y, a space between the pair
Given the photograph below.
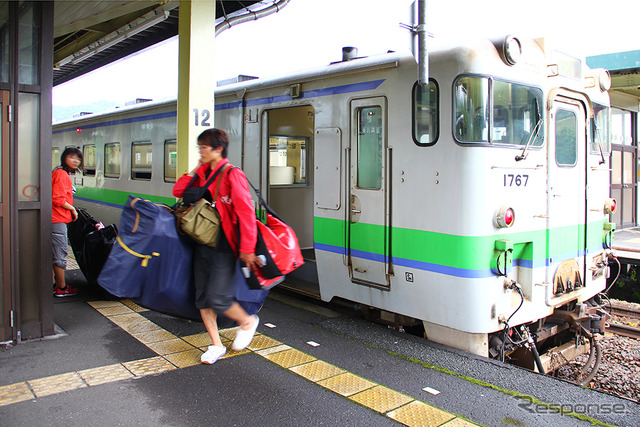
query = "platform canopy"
x=624 y=68
x=91 y=34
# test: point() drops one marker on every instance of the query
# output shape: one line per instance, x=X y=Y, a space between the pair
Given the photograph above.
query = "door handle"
x=355 y=211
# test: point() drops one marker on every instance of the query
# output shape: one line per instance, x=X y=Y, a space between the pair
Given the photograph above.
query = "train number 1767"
x=511 y=180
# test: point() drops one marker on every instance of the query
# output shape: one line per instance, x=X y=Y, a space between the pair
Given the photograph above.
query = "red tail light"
x=610 y=206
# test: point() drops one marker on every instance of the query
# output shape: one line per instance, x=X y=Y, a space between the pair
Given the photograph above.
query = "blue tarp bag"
x=150 y=262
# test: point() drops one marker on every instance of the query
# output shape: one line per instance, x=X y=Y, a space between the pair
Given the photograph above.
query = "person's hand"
x=74 y=213
x=251 y=260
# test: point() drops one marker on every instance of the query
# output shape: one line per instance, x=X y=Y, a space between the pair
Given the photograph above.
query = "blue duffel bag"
x=152 y=264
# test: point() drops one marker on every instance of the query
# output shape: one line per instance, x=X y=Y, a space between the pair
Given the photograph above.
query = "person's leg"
x=58 y=274
x=240 y=316
x=209 y=318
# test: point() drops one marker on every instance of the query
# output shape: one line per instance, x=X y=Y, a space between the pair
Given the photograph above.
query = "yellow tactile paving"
x=154 y=336
x=419 y=414
x=381 y=399
x=458 y=422
x=185 y=358
x=346 y=384
x=152 y=365
x=317 y=370
x=289 y=358
x=178 y=352
x=15 y=393
x=261 y=342
x=56 y=384
x=201 y=340
x=140 y=327
x=133 y=306
x=105 y=374
x=229 y=334
x=103 y=304
x=115 y=310
x=175 y=345
x=271 y=350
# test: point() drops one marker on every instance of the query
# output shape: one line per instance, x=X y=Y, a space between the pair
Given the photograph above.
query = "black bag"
x=91 y=247
x=192 y=195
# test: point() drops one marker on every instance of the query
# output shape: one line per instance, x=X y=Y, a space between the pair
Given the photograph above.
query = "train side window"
x=566 y=138
x=426 y=116
x=170 y=160
x=89 y=154
x=369 y=154
x=471 y=120
x=599 y=132
x=141 y=160
x=112 y=160
x=55 y=157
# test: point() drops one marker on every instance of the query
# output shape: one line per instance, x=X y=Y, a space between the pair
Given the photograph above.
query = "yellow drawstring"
x=145 y=258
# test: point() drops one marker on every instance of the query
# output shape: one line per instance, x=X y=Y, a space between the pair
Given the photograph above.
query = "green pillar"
x=195 y=77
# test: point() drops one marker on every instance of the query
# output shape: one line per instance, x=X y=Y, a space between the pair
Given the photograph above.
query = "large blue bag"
x=152 y=264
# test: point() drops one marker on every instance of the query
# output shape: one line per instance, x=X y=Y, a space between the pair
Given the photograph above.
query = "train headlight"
x=604 y=79
x=610 y=206
x=512 y=50
x=505 y=217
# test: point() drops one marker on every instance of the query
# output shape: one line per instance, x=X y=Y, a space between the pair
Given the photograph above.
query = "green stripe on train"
x=117 y=197
x=465 y=252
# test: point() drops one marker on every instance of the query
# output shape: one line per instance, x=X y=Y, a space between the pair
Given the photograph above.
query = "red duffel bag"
x=278 y=249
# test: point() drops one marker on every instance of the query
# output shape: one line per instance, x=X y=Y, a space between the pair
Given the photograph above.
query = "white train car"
x=477 y=204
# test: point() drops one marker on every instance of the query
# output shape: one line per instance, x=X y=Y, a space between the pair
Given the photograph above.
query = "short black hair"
x=215 y=138
x=71 y=151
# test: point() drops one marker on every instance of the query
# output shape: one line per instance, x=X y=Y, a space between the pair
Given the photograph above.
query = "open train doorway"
x=290 y=183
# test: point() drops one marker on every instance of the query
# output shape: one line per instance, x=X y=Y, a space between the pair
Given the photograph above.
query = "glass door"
x=623 y=168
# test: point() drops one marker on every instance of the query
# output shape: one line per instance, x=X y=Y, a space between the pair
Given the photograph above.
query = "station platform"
x=626 y=243
x=115 y=363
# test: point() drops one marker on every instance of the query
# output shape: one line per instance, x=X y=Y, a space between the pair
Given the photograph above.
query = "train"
x=476 y=205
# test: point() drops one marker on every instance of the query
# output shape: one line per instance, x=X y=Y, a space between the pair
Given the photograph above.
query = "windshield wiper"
x=596 y=131
x=533 y=135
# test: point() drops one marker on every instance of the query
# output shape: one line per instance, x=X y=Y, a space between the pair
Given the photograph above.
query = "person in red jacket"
x=214 y=268
x=63 y=213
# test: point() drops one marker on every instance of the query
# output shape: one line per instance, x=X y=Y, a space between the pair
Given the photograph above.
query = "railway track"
x=624 y=330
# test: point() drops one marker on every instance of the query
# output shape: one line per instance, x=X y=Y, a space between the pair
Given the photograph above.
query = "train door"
x=368 y=219
x=567 y=194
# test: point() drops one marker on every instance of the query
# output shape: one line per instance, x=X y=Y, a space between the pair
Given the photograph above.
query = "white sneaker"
x=213 y=354
x=244 y=337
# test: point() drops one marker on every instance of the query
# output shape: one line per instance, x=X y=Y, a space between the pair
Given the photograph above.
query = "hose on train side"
x=617 y=275
x=594 y=352
x=507 y=327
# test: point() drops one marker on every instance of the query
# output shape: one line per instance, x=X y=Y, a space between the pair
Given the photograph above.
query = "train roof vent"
x=238 y=79
x=137 y=101
x=82 y=113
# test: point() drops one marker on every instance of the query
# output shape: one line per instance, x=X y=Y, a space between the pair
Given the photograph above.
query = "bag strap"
x=222 y=169
x=264 y=204
x=209 y=181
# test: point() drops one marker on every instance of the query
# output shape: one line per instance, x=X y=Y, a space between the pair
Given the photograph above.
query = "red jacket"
x=233 y=203
x=62 y=192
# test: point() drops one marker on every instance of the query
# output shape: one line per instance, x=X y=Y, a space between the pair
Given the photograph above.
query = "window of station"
x=112 y=160
x=369 y=175
x=288 y=160
x=89 y=157
x=566 y=138
x=170 y=160
x=141 y=160
x=497 y=112
x=55 y=157
x=426 y=122
x=599 y=132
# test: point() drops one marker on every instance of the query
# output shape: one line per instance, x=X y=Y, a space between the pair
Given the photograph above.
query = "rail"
x=624 y=330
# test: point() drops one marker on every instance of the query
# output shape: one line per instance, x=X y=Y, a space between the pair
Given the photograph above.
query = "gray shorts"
x=60 y=244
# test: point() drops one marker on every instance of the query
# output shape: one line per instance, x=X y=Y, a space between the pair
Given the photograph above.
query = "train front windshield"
x=497 y=112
